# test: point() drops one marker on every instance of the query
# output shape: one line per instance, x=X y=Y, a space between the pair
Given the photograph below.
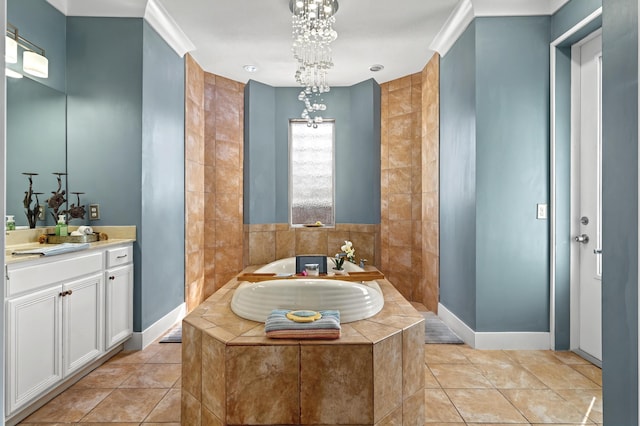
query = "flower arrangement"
x=348 y=252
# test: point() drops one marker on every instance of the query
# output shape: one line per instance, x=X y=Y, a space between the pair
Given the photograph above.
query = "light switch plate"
x=94 y=211
x=541 y=211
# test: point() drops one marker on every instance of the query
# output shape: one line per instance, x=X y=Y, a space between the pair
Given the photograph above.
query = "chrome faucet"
x=362 y=262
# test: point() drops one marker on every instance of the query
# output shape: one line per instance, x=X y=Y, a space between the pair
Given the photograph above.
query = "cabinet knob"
x=112 y=277
x=66 y=293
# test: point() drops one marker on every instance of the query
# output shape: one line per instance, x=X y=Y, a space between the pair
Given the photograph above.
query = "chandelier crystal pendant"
x=313 y=34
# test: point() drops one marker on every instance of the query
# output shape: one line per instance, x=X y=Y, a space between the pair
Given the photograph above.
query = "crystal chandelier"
x=312 y=36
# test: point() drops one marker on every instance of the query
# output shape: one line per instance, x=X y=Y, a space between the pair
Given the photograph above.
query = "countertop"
x=27 y=239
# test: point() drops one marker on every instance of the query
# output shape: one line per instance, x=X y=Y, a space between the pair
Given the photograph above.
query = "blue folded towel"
x=277 y=320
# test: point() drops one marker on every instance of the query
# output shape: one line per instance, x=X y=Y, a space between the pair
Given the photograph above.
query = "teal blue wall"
x=458 y=178
x=44 y=25
x=125 y=147
x=356 y=110
x=512 y=173
x=494 y=153
x=358 y=162
x=162 y=179
x=620 y=212
x=260 y=156
x=563 y=199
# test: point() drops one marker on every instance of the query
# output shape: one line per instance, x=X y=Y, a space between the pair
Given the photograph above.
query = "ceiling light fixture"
x=34 y=60
x=376 y=67
x=250 y=68
x=312 y=35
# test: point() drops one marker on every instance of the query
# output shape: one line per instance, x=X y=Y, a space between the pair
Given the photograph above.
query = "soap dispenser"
x=61 y=227
x=11 y=223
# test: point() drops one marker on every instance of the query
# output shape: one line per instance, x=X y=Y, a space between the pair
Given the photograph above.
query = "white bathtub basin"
x=355 y=301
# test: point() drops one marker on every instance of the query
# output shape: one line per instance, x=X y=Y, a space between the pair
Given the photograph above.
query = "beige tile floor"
x=463 y=387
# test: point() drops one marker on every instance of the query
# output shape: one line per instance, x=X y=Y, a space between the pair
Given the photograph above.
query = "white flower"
x=348 y=249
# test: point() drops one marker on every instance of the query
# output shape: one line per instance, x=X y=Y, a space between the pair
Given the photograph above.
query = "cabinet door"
x=82 y=322
x=34 y=361
x=119 y=305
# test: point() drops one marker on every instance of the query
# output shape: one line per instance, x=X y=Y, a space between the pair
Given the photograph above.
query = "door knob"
x=582 y=238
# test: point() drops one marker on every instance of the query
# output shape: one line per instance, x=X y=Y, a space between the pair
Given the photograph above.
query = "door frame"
x=553 y=51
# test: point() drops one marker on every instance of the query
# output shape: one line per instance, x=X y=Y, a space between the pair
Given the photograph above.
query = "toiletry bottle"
x=11 y=223
x=61 y=227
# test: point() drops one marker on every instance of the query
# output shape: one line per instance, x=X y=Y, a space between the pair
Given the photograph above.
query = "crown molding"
x=453 y=27
x=516 y=7
x=466 y=10
x=101 y=8
x=61 y=5
x=555 y=5
x=158 y=17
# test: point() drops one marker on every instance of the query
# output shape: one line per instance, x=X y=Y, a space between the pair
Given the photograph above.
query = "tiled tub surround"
x=265 y=243
x=233 y=374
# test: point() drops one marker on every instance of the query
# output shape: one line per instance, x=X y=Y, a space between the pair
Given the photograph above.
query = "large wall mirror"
x=36 y=143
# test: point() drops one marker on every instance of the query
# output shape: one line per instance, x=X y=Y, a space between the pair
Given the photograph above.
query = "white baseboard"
x=141 y=340
x=509 y=340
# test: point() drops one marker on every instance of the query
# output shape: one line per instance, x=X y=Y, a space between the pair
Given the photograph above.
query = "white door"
x=589 y=238
x=82 y=322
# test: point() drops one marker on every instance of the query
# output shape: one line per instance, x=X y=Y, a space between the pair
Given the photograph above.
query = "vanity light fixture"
x=35 y=64
x=11 y=73
x=10 y=50
x=34 y=60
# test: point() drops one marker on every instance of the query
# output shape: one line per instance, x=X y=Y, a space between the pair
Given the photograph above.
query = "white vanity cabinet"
x=59 y=313
x=119 y=295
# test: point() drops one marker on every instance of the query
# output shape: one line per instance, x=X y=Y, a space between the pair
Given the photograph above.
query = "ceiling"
x=228 y=34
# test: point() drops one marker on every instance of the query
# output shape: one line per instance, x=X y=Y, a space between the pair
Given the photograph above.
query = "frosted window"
x=311 y=172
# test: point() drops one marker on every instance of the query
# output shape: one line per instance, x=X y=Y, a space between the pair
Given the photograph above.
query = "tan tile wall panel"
x=430 y=184
x=254 y=371
x=223 y=159
x=194 y=185
x=213 y=181
x=409 y=184
x=343 y=394
x=269 y=242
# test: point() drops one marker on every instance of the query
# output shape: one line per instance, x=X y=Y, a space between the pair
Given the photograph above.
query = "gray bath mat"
x=174 y=336
x=435 y=331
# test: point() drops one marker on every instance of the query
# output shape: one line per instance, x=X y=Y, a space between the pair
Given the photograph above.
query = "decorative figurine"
x=32 y=215
x=76 y=211
x=57 y=199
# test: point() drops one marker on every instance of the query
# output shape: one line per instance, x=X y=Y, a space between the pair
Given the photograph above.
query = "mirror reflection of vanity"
x=36 y=143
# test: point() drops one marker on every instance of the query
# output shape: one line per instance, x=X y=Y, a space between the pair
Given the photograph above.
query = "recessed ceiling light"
x=376 y=67
x=250 y=68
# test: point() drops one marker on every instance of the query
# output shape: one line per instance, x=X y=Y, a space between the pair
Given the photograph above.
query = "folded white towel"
x=87 y=230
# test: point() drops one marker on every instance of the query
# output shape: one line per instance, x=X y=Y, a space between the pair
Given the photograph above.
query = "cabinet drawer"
x=23 y=279
x=119 y=256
